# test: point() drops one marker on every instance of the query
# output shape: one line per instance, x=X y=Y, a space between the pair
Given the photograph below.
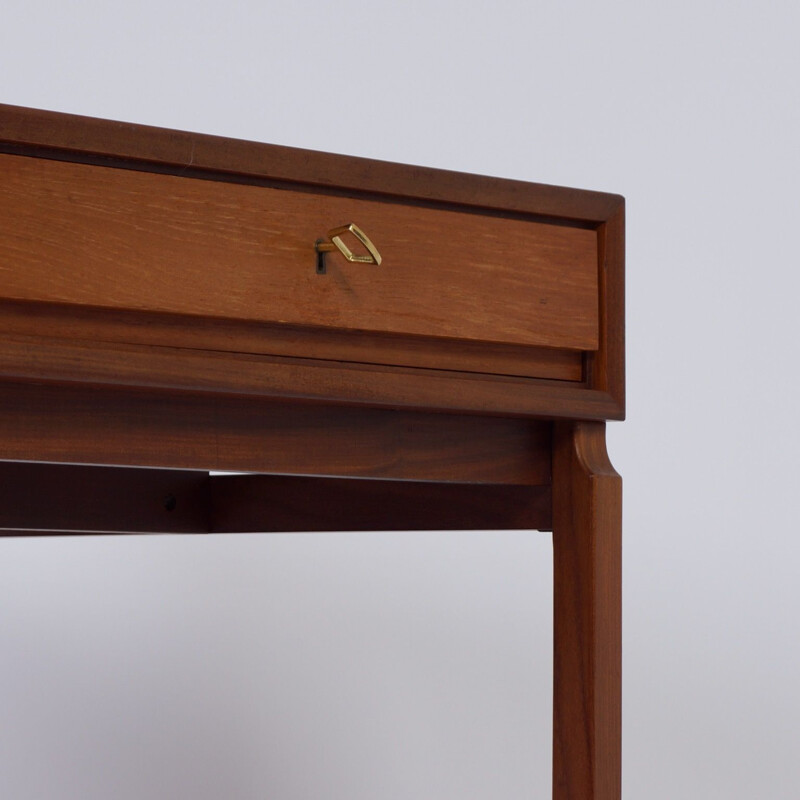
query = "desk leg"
x=587 y=525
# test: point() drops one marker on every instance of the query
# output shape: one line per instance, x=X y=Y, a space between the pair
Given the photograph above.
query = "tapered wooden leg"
x=587 y=525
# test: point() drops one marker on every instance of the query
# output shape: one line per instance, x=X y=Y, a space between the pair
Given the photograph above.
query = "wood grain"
x=97 y=236
x=587 y=523
x=606 y=367
x=277 y=503
x=85 y=425
x=100 y=363
x=59 y=321
x=69 y=136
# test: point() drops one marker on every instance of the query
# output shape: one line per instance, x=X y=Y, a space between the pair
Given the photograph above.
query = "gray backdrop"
x=383 y=666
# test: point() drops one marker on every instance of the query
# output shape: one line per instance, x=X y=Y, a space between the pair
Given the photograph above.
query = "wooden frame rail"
x=60 y=499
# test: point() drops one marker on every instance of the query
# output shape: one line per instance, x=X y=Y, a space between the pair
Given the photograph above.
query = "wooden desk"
x=173 y=304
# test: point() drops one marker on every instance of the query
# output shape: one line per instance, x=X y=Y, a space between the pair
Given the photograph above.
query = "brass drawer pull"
x=335 y=236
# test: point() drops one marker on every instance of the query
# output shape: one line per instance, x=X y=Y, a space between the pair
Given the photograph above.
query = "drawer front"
x=128 y=240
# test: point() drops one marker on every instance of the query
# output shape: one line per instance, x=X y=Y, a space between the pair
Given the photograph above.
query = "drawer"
x=101 y=237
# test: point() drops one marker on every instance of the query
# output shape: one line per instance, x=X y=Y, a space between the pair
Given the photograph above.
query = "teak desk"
x=173 y=304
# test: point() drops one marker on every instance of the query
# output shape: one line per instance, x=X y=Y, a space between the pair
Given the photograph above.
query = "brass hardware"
x=335 y=236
